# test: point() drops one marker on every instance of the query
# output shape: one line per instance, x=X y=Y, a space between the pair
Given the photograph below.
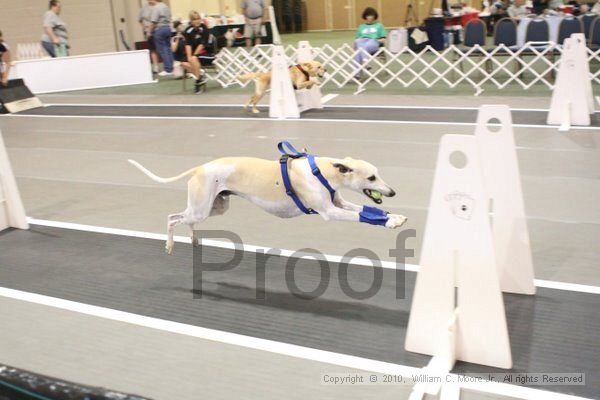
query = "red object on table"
x=468 y=17
x=451 y=21
x=567 y=9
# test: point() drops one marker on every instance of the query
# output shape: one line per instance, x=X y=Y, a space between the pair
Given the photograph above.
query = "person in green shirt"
x=369 y=36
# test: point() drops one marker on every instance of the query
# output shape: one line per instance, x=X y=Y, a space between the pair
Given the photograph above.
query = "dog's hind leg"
x=172 y=221
x=261 y=89
x=219 y=207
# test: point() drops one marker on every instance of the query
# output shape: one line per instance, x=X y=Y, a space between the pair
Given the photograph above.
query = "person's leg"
x=360 y=46
x=248 y=33
x=153 y=54
x=163 y=45
x=372 y=46
x=258 y=31
x=49 y=47
x=194 y=66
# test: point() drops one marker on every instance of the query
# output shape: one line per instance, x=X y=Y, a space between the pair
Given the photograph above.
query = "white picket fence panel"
x=502 y=67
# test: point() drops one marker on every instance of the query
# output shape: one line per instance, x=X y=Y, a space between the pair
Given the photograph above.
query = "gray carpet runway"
x=329 y=112
x=554 y=331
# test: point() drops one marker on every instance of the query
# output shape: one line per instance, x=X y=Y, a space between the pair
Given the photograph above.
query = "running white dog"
x=260 y=181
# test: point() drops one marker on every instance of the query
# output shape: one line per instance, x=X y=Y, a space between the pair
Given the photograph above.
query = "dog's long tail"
x=158 y=178
x=246 y=77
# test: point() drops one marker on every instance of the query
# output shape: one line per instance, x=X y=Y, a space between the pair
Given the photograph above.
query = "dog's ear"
x=307 y=66
x=342 y=168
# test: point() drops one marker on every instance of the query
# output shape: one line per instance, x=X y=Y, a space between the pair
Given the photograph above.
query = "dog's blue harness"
x=283 y=162
x=370 y=215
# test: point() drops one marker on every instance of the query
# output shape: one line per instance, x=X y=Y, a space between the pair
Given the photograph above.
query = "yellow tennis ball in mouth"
x=376 y=195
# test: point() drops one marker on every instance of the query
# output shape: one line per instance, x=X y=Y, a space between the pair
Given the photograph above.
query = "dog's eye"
x=372 y=178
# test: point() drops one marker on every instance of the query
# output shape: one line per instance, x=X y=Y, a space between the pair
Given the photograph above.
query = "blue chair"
x=587 y=20
x=567 y=27
x=595 y=34
x=505 y=32
x=537 y=31
x=475 y=33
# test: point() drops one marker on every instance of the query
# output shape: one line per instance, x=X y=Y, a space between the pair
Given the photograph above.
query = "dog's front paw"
x=395 y=221
x=255 y=111
x=169 y=248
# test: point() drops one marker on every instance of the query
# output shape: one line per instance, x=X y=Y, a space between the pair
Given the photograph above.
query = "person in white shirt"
x=517 y=10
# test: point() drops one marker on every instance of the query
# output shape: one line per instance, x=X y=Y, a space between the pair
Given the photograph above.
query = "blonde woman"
x=197 y=36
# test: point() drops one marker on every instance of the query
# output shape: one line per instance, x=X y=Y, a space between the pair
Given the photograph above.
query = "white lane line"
x=250 y=342
x=363 y=121
x=410 y=107
x=271 y=346
x=572 y=287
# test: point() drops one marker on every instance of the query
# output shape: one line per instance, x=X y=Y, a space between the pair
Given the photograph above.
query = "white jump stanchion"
x=282 y=103
x=307 y=98
x=572 y=99
x=12 y=213
x=457 y=311
x=502 y=182
x=468 y=324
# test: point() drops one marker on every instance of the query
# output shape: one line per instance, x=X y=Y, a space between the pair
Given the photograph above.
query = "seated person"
x=197 y=37
x=498 y=9
x=517 y=10
x=555 y=4
x=178 y=46
x=4 y=62
x=370 y=36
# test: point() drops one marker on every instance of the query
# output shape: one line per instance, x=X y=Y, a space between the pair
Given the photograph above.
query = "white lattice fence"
x=535 y=63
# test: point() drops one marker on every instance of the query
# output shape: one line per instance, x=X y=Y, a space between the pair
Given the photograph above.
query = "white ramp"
x=12 y=213
x=467 y=323
x=502 y=180
x=572 y=99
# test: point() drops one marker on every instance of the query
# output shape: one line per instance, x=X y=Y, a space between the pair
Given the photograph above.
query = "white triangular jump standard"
x=467 y=323
x=468 y=258
x=502 y=184
x=572 y=98
x=285 y=102
x=12 y=213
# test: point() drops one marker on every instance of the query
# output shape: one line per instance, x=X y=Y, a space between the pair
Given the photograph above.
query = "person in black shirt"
x=4 y=62
x=196 y=45
x=539 y=6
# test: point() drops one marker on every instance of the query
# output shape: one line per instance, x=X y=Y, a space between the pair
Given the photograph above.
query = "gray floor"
x=551 y=332
x=75 y=170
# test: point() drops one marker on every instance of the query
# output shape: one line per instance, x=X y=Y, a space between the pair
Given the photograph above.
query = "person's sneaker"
x=200 y=85
x=165 y=73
